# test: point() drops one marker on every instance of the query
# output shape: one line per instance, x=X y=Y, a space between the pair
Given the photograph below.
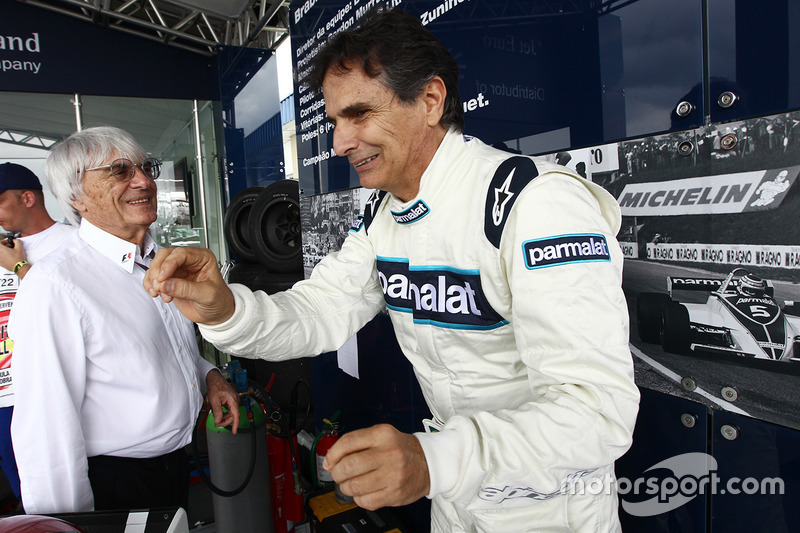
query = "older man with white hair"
x=109 y=384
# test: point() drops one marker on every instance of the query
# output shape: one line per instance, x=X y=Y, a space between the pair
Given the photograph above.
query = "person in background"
x=502 y=276
x=109 y=386
x=31 y=235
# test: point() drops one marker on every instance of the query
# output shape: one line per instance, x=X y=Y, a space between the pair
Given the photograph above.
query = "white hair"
x=85 y=149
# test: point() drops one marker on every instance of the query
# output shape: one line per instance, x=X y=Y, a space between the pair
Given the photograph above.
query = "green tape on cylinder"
x=244 y=424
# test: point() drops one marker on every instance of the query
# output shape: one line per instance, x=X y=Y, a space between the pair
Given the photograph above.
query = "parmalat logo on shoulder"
x=415 y=212
x=562 y=249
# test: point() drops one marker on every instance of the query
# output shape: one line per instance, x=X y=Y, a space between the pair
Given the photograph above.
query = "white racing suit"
x=503 y=282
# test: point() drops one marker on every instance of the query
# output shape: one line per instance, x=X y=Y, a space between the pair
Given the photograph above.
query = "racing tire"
x=257 y=277
x=649 y=311
x=792 y=309
x=275 y=226
x=675 y=329
x=237 y=227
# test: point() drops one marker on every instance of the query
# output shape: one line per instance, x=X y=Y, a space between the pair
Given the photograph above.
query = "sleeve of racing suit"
x=317 y=315
x=570 y=324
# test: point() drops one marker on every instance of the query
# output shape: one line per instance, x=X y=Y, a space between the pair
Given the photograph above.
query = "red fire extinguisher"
x=324 y=441
x=287 y=502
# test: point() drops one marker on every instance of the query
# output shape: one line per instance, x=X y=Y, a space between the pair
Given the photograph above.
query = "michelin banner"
x=727 y=193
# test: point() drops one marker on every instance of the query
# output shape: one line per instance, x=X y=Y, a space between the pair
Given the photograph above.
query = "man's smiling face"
x=125 y=209
x=388 y=142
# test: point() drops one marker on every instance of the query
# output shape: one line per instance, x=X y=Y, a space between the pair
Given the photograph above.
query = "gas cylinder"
x=230 y=459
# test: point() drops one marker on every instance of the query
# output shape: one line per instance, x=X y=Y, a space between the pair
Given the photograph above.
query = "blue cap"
x=14 y=176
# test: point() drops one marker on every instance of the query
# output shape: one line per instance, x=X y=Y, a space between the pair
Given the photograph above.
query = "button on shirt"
x=100 y=368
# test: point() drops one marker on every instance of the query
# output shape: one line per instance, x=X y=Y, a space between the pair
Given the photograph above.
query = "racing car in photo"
x=740 y=317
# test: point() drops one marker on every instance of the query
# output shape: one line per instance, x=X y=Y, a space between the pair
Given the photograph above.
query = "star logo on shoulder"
x=502 y=195
x=372 y=203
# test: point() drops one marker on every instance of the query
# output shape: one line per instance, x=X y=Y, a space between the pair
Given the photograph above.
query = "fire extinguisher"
x=322 y=443
x=287 y=501
x=282 y=453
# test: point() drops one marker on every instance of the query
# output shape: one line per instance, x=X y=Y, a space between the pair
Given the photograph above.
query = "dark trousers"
x=125 y=483
x=7 y=461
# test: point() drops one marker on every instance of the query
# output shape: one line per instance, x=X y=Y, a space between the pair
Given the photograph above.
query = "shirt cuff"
x=205 y=367
x=443 y=452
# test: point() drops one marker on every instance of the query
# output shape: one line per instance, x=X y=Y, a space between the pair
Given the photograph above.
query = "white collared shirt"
x=100 y=368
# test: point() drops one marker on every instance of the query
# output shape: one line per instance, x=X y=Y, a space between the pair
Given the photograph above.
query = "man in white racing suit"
x=502 y=277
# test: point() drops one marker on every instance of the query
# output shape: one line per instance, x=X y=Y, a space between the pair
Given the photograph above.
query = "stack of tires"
x=262 y=229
